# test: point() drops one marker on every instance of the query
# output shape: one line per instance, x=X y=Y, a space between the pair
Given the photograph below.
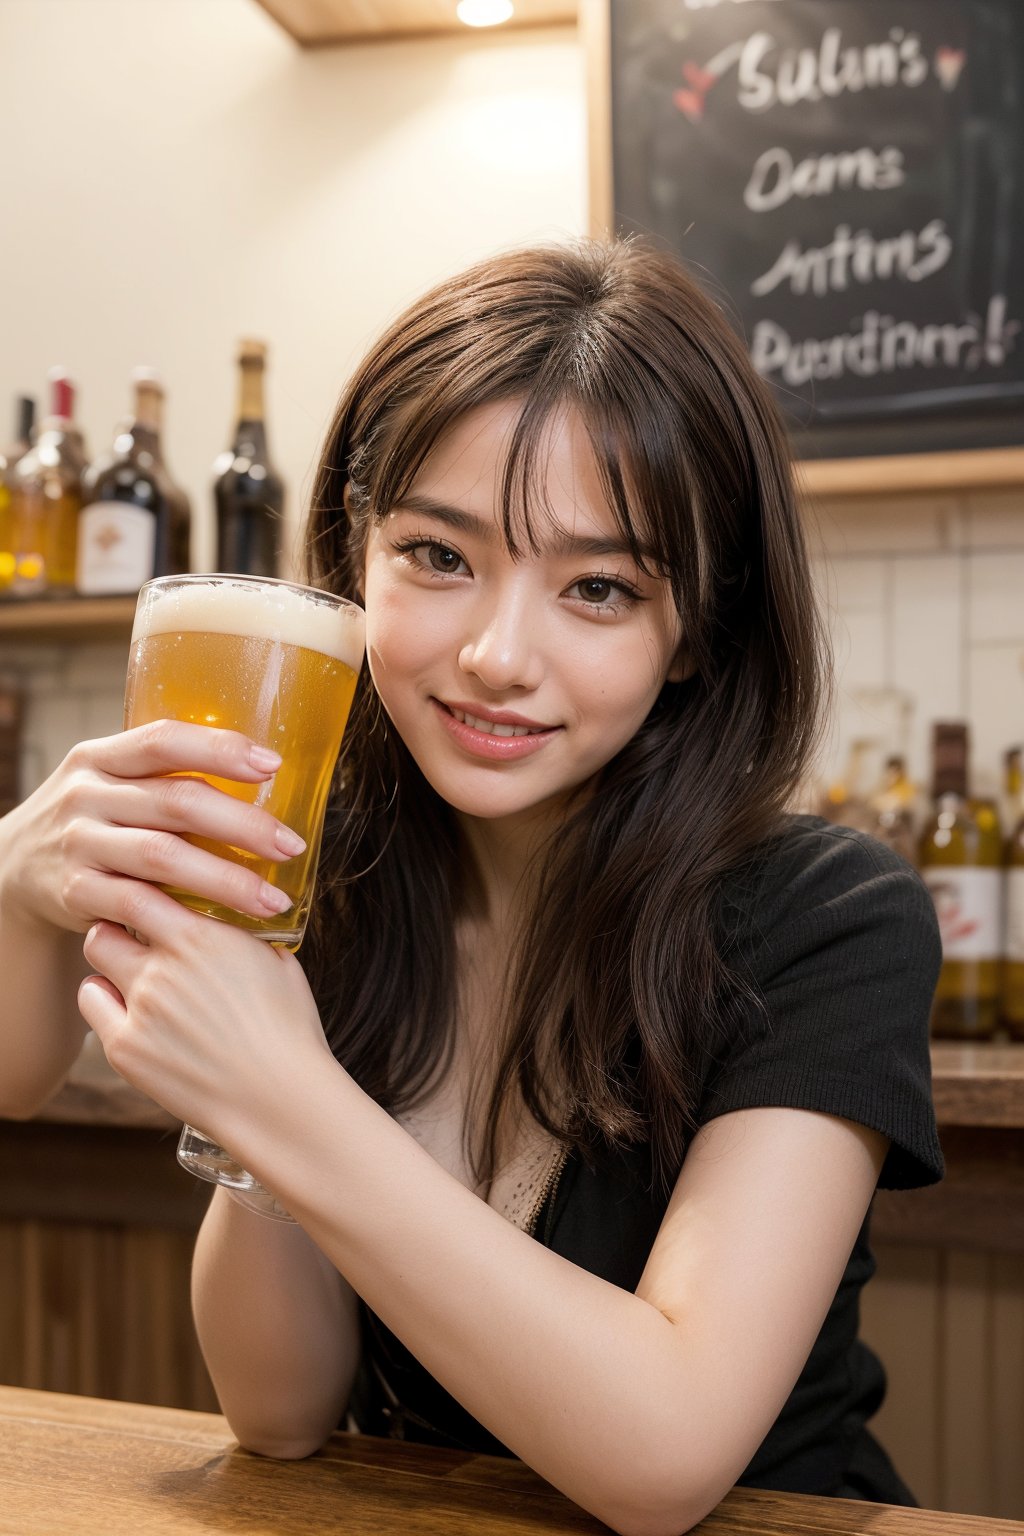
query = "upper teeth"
x=491 y=727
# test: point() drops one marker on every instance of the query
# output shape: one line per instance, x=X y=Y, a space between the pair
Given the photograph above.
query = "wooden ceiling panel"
x=318 y=23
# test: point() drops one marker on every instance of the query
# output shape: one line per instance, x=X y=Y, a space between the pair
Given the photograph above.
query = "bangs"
x=615 y=337
x=404 y=440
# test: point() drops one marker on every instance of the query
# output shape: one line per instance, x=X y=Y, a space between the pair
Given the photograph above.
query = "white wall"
x=178 y=173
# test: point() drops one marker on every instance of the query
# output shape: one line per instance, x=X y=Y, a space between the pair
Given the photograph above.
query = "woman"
x=619 y=1050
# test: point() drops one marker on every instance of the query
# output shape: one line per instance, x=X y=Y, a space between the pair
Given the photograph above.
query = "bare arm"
x=643 y=1408
x=79 y=848
x=278 y=1328
x=41 y=1030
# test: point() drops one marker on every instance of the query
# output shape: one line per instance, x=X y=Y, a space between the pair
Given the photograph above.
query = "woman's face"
x=512 y=681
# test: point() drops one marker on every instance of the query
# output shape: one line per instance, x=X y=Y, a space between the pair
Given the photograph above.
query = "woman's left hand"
x=201 y=1016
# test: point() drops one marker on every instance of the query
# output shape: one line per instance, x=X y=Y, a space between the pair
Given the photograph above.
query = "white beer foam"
x=264 y=611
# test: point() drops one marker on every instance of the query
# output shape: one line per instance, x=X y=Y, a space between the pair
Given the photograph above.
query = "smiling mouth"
x=494 y=727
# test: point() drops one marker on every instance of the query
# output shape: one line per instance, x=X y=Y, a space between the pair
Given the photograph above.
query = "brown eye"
x=443 y=559
x=595 y=590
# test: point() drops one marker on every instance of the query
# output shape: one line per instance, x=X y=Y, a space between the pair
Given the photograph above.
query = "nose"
x=502 y=647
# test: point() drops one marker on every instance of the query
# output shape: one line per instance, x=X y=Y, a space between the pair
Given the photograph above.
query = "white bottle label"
x=1015 y=915
x=116 y=548
x=968 y=905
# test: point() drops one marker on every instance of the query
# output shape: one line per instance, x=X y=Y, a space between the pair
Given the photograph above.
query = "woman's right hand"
x=111 y=816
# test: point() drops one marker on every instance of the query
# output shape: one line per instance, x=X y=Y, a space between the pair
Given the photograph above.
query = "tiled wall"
x=74 y=692
x=924 y=595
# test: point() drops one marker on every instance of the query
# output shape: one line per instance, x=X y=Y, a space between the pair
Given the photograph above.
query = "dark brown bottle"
x=960 y=859
x=136 y=521
x=248 y=491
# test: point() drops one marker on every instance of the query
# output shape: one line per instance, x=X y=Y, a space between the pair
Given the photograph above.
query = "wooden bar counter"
x=81 y=1467
x=979 y=1105
x=97 y=1224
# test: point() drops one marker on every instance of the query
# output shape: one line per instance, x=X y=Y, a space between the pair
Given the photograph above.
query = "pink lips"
x=499 y=749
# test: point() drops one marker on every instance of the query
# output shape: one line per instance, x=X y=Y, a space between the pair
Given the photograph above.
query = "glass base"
x=206 y=1160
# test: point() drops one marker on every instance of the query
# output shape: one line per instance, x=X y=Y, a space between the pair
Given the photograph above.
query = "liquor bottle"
x=248 y=491
x=24 y=423
x=1012 y=999
x=1012 y=798
x=46 y=494
x=960 y=859
x=892 y=805
x=135 y=521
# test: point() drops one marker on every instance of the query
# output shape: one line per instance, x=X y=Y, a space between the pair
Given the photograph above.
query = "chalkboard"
x=847 y=178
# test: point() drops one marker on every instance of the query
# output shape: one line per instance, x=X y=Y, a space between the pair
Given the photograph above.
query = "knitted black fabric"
x=839 y=937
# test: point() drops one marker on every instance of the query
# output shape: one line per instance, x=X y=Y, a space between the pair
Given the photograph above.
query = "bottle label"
x=1015 y=915
x=967 y=902
x=116 y=548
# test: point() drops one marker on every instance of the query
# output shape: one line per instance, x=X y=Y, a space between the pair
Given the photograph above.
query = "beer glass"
x=279 y=663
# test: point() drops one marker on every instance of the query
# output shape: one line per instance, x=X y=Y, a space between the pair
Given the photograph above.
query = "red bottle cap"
x=62 y=394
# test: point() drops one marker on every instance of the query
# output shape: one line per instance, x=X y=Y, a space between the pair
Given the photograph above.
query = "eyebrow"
x=562 y=543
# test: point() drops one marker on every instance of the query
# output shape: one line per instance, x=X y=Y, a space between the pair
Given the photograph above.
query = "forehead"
x=560 y=488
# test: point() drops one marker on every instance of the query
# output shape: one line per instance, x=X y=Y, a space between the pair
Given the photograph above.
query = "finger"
x=116 y=954
x=162 y=858
x=175 y=746
x=193 y=806
x=133 y=905
x=103 y=1009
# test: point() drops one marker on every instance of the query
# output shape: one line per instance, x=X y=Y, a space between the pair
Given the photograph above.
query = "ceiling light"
x=484 y=13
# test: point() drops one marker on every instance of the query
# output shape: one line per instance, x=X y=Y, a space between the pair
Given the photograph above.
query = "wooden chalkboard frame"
x=891 y=474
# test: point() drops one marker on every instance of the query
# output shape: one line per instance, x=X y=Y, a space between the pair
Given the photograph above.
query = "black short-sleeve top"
x=837 y=938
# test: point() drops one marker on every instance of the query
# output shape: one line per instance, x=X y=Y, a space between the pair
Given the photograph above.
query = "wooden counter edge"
x=980 y=1085
x=751 y=1511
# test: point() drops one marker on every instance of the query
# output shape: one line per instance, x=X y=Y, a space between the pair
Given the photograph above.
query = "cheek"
x=400 y=635
x=620 y=680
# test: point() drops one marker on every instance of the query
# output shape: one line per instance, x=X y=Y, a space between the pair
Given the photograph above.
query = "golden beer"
x=274 y=661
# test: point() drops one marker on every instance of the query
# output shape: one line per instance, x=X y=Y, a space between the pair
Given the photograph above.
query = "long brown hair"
x=621 y=982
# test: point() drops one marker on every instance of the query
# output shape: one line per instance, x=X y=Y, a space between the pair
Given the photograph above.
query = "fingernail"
x=262 y=759
x=289 y=842
x=273 y=899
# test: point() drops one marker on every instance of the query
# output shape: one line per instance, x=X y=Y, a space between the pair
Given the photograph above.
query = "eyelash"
x=407 y=549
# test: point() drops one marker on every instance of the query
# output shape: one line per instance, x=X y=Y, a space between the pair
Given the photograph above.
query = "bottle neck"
x=951 y=781
x=149 y=413
x=949 y=761
x=24 y=420
x=250 y=395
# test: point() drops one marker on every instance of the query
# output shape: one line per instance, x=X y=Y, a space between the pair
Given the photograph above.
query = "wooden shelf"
x=323 y=23
x=899 y=474
x=978 y=1085
x=90 y=618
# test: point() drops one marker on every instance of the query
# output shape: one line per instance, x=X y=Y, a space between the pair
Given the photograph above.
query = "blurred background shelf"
x=88 y=618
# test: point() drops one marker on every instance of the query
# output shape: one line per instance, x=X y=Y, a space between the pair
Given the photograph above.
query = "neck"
x=505 y=859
